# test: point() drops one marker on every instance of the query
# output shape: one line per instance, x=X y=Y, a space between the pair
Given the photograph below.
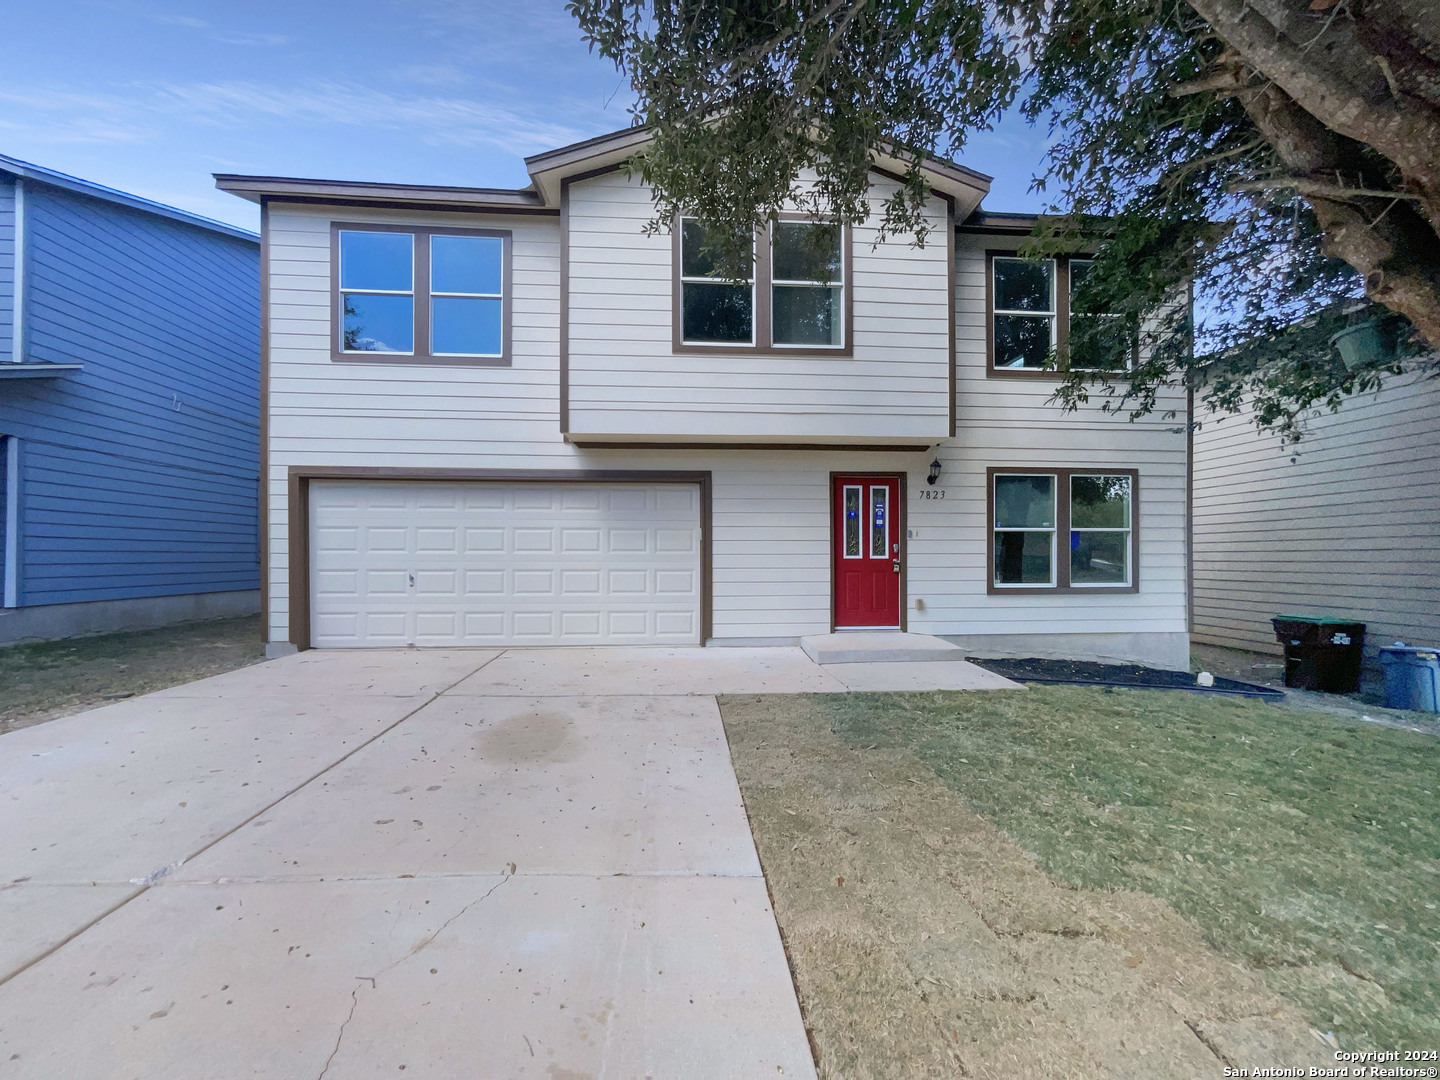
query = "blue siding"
x=139 y=475
x=7 y=264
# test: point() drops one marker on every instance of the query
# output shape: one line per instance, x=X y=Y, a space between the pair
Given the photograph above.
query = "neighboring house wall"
x=138 y=473
x=771 y=507
x=626 y=380
x=1346 y=523
x=7 y=266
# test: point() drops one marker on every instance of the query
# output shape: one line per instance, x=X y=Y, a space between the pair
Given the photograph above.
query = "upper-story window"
x=714 y=310
x=419 y=294
x=1031 y=325
x=793 y=299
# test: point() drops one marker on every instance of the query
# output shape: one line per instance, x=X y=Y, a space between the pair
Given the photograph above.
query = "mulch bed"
x=1087 y=673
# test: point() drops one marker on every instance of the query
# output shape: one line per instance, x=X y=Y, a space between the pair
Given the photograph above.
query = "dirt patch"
x=49 y=679
x=925 y=942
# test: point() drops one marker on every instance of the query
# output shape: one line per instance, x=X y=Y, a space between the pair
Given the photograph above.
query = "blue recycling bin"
x=1412 y=677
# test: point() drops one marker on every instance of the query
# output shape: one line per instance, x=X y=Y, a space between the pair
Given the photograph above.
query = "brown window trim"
x=763 y=328
x=1062 y=317
x=1062 y=584
x=422 y=297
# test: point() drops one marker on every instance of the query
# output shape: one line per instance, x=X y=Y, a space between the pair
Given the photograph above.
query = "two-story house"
x=129 y=383
x=513 y=417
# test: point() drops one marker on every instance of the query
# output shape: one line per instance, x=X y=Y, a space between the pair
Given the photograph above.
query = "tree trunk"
x=1367 y=77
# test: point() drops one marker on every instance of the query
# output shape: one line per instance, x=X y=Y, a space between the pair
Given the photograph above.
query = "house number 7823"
x=932 y=493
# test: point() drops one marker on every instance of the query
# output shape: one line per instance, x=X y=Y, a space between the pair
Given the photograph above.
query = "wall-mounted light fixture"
x=934 y=472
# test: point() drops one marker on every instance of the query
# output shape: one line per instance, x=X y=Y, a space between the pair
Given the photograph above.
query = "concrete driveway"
x=441 y=864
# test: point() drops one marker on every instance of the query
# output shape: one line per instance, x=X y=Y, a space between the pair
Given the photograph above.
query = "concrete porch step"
x=878 y=646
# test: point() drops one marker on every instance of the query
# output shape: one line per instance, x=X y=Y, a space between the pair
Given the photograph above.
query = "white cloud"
x=439 y=120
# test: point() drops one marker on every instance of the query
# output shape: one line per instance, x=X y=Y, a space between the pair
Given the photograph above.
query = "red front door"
x=865 y=511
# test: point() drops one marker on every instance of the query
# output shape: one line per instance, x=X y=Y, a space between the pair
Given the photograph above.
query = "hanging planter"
x=1374 y=341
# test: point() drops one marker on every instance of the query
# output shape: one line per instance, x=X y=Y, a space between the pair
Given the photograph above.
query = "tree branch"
x=1306 y=186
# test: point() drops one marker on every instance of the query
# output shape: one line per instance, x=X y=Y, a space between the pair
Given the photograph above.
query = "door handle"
x=896 y=565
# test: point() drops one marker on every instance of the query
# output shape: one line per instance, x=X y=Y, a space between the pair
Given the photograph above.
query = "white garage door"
x=440 y=563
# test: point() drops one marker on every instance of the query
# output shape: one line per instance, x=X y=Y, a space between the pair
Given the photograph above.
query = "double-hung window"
x=793 y=297
x=1033 y=325
x=714 y=310
x=420 y=294
x=1067 y=530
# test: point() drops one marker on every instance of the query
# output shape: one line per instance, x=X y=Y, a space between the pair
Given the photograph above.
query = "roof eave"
x=39 y=174
x=353 y=192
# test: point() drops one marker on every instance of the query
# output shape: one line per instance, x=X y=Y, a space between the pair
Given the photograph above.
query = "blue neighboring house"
x=129 y=406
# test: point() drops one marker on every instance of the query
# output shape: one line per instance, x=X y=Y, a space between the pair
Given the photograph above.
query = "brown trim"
x=286 y=188
x=901 y=531
x=872 y=448
x=300 y=477
x=590 y=174
x=761 y=311
x=564 y=306
x=1062 y=586
x=417 y=204
x=264 y=493
x=951 y=299
x=298 y=494
x=421 y=293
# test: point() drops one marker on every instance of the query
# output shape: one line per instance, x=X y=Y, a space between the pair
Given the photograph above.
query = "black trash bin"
x=1321 y=653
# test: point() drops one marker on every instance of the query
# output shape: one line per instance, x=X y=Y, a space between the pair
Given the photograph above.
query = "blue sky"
x=152 y=96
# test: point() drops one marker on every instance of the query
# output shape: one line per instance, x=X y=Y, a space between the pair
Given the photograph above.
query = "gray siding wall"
x=139 y=474
x=1347 y=523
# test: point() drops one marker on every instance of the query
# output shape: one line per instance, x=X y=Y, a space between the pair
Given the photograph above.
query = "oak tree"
x=1280 y=157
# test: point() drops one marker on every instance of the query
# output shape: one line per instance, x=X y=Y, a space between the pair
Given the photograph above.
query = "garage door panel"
x=493 y=563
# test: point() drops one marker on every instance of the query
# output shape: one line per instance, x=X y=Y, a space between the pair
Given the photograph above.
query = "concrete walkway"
x=442 y=864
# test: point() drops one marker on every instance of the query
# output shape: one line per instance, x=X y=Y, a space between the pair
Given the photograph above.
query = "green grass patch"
x=1302 y=844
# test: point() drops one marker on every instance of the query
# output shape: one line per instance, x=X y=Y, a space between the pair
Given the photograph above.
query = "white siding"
x=1008 y=422
x=1346 y=523
x=770 y=530
x=625 y=378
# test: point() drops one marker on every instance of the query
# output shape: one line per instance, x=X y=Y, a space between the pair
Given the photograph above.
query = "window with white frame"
x=1034 y=324
x=807 y=285
x=1100 y=526
x=422 y=294
x=1031 y=510
x=1024 y=330
x=1093 y=341
x=791 y=298
x=1025 y=521
x=713 y=309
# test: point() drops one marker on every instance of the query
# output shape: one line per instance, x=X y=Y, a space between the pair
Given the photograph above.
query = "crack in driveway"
x=422 y=944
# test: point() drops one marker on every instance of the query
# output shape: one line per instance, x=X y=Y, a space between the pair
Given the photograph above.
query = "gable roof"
x=28 y=171
x=964 y=186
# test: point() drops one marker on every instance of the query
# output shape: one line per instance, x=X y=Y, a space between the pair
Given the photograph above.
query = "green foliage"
x=1303 y=846
x=1167 y=187
x=743 y=97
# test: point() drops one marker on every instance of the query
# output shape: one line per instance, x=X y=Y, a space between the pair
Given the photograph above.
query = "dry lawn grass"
x=926 y=941
x=49 y=679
